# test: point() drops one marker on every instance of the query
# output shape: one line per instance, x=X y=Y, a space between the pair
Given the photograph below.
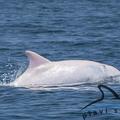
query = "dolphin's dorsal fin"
x=35 y=59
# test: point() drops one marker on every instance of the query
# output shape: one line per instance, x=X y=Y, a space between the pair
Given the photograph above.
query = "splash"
x=10 y=72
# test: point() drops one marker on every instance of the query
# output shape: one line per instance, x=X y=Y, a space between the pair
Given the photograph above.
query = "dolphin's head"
x=112 y=71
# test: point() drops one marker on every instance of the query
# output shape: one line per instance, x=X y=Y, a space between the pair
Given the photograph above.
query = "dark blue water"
x=58 y=30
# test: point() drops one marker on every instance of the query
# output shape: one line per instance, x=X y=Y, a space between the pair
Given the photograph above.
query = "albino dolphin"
x=43 y=72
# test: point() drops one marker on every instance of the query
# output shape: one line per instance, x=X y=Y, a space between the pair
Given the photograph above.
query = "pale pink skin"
x=42 y=72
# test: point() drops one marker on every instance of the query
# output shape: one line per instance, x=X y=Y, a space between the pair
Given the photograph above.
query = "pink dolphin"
x=43 y=72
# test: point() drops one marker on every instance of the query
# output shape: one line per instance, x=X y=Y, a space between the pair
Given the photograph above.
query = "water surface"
x=58 y=30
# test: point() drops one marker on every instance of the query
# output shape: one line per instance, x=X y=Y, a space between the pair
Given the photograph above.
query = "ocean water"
x=58 y=30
